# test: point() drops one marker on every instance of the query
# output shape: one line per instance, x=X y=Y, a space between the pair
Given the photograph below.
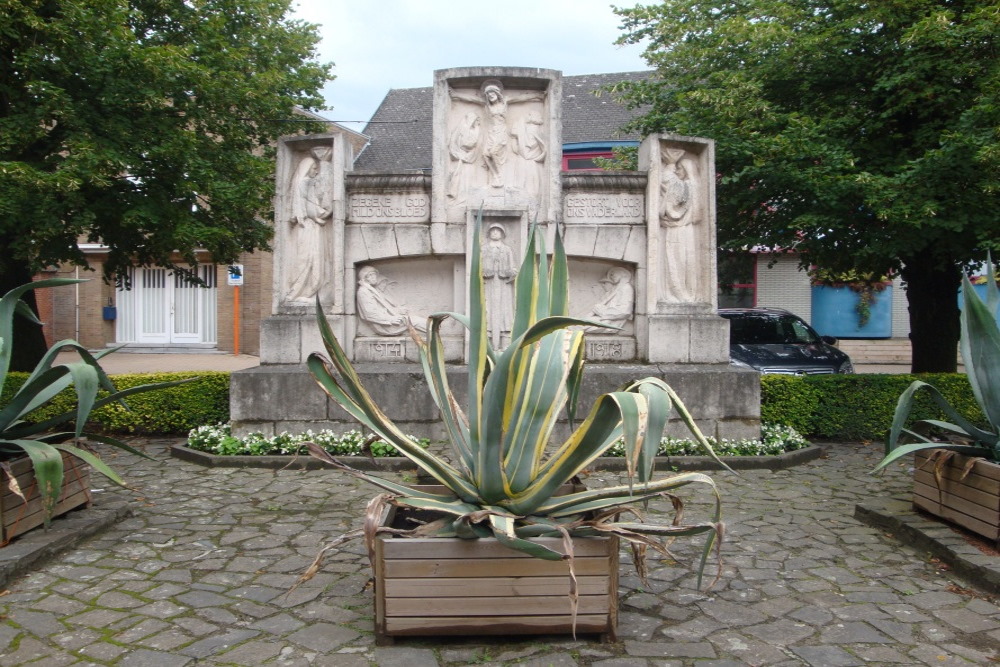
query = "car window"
x=769 y=330
x=797 y=331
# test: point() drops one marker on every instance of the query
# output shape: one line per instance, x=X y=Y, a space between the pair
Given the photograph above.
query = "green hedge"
x=174 y=410
x=857 y=407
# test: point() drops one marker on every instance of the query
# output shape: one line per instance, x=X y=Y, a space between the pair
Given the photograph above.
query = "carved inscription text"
x=610 y=208
x=385 y=350
x=390 y=208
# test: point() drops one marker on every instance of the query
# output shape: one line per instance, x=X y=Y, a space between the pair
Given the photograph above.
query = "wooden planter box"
x=972 y=502
x=451 y=586
x=17 y=517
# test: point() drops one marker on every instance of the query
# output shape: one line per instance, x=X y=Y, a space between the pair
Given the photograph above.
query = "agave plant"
x=19 y=436
x=980 y=345
x=503 y=476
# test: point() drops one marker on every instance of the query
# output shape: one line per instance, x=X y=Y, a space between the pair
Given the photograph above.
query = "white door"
x=163 y=309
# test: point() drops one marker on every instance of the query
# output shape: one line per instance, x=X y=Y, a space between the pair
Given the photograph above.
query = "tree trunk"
x=932 y=295
x=29 y=341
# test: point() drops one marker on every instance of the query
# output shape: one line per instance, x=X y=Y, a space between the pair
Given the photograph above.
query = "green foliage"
x=981 y=354
x=788 y=400
x=856 y=407
x=36 y=438
x=861 y=134
x=202 y=399
x=146 y=125
x=504 y=479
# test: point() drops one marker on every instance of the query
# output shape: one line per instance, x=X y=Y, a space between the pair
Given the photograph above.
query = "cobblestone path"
x=200 y=574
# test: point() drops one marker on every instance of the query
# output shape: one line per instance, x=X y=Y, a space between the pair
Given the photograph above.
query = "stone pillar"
x=681 y=283
x=309 y=215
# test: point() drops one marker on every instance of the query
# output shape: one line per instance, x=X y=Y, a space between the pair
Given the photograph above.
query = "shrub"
x=170 y=411
x=856 y=407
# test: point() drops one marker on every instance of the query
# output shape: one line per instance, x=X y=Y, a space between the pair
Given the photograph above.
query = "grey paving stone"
x=966 y=620
x=782 y=632
x=199 y=599
x=732 y=613
x=103 y=651
x=40 y=624
x=253 y=652
x=404 y=657
x=670 y=649
x=748 y=650
x=279 y=624
x=322 y=636
x=826 y=656
x=557 y=659
x=854 y=632
x=147 y=658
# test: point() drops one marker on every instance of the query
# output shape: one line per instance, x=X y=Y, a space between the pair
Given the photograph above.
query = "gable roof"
x=400 y=132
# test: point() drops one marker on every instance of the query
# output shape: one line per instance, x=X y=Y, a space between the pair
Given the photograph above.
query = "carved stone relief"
x=680 y=217
x=311 y=208
x=499 y=265
x=496 y=142
x=378 y=309
x=616 y=305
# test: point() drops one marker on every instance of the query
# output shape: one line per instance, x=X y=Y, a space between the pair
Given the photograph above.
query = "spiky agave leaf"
x=980 y=344
x=515 y=396
x=352 y=396
x=980 y=347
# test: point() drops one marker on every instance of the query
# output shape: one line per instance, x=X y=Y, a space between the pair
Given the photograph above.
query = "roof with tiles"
x=401 y=129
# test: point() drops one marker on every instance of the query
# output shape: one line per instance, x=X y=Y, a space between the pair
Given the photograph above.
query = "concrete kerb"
x=399 y=463
x=897 y=517
x=65 y=532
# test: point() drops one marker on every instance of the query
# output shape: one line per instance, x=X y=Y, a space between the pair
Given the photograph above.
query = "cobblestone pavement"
x=200 y=574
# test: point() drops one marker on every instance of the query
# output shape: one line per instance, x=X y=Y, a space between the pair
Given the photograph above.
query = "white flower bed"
x=218 y=439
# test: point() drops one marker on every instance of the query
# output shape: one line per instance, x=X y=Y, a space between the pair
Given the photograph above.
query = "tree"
x=866 y=135
x=146 y=125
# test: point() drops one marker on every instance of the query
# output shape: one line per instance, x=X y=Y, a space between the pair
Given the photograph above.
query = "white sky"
x=382 y=44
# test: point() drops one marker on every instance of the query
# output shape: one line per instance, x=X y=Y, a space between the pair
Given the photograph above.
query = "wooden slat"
x=496 y=625
x=956 y=502
x=17 y=517
x=435 y=547
x=953 y=474
x=975 y=524
x=493 y=586
x=544 y=605
x=492 y=567
x=30 y=489
x=949 y=487
x=982 y=467
x=15 y=523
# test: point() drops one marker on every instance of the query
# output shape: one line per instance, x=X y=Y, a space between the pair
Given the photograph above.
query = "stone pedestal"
x=725 y=401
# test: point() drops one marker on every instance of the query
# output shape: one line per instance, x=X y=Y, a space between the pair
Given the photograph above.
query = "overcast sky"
x=382 y=44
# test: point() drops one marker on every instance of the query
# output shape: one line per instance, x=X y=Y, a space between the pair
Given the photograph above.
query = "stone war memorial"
x=382 y=251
